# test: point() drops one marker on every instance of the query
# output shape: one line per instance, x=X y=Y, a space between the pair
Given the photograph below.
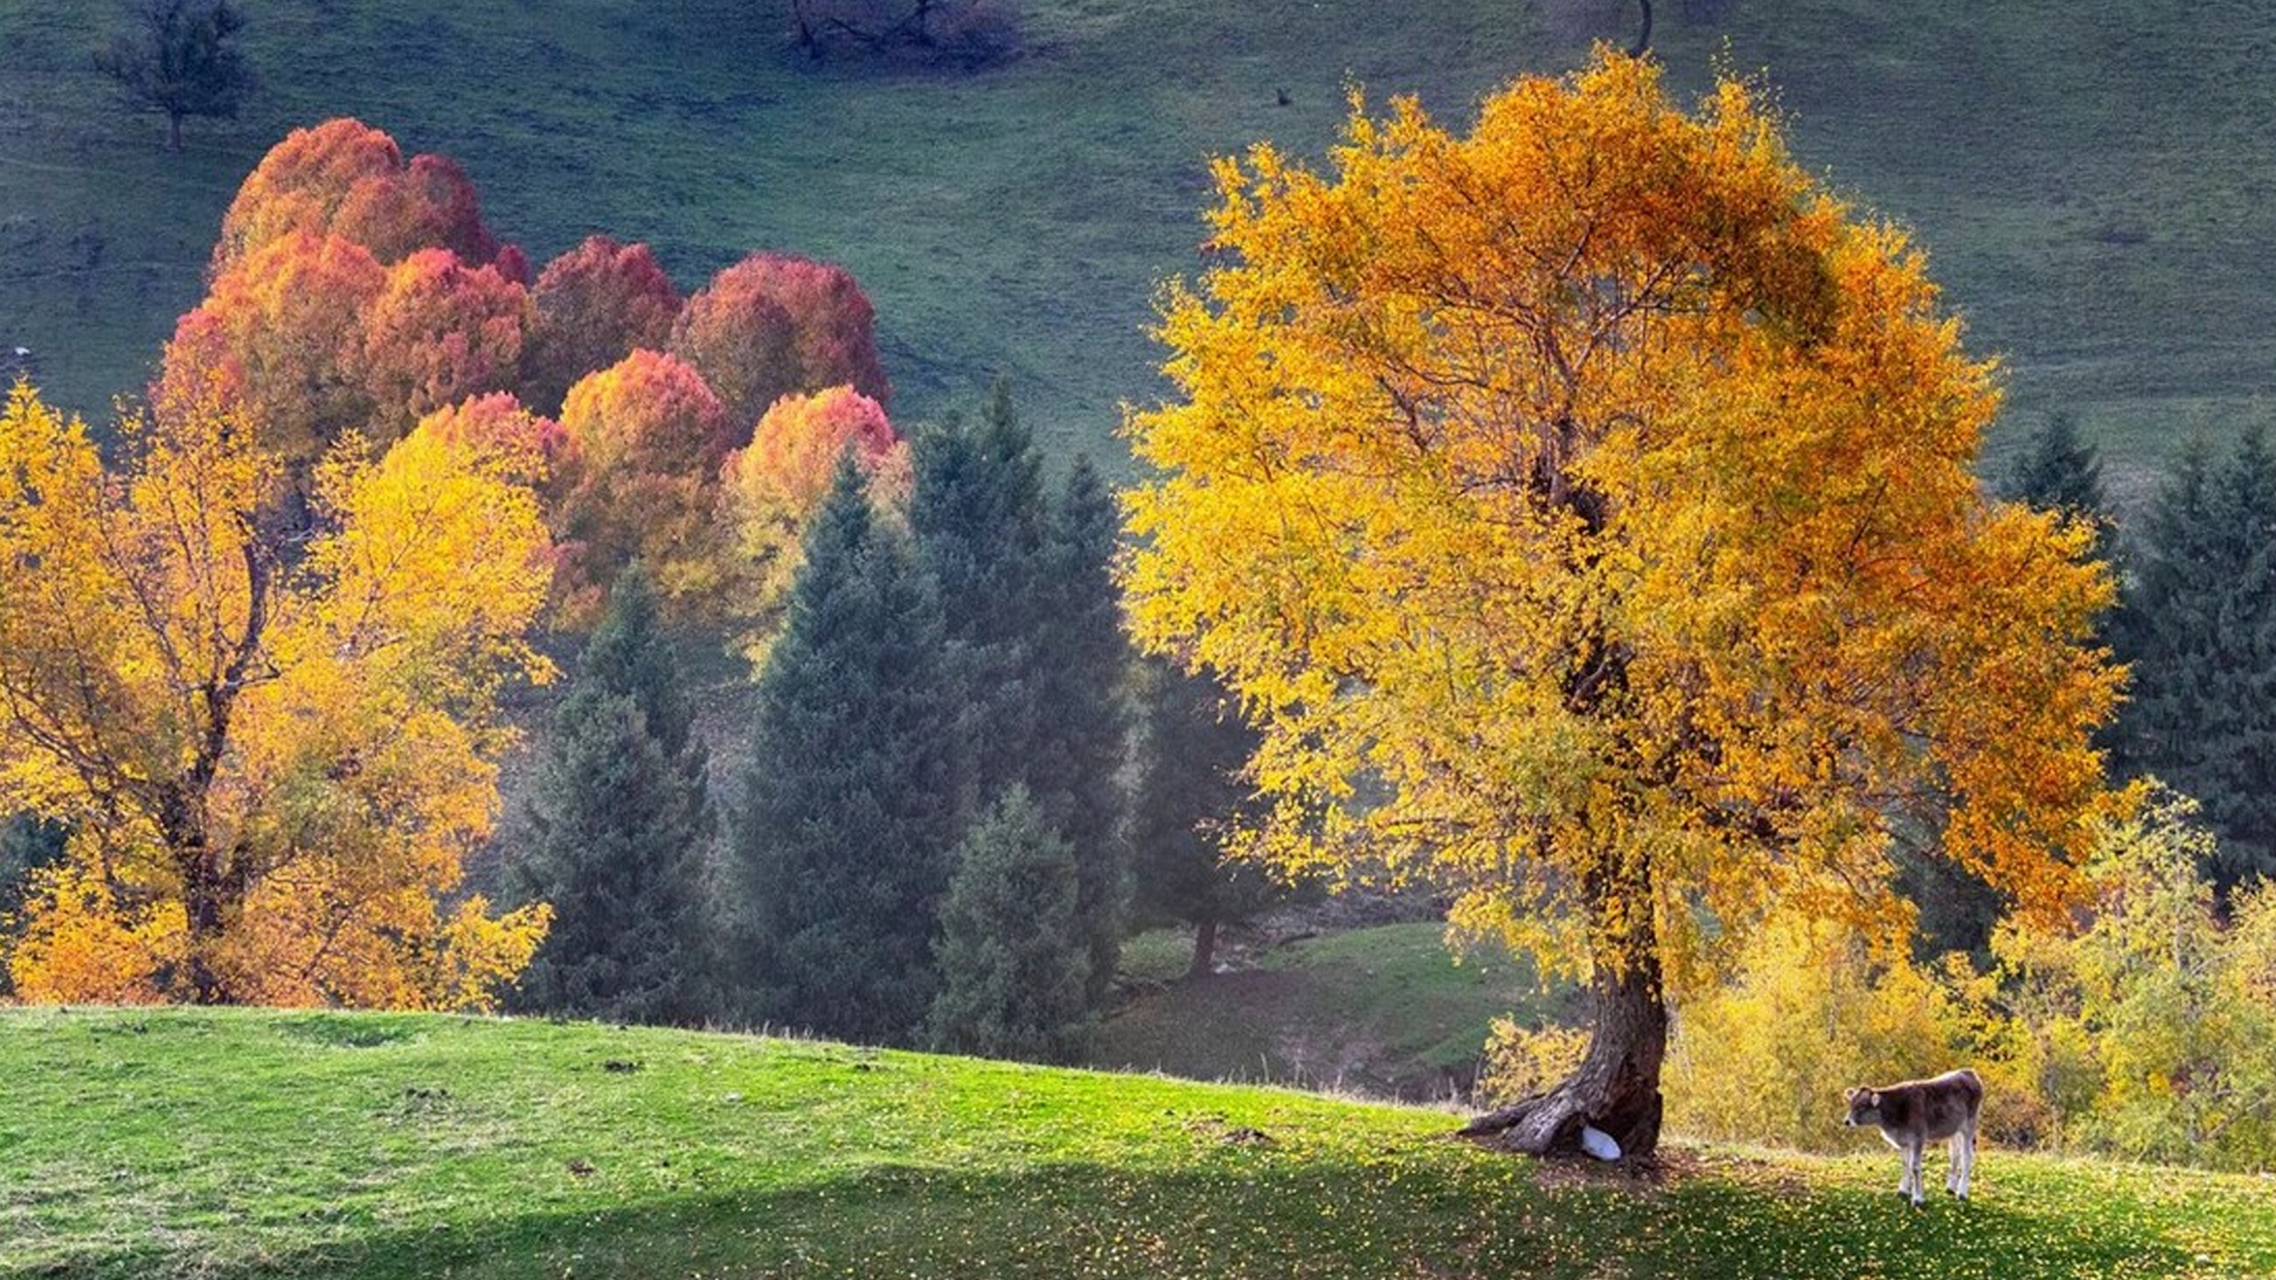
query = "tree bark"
x=1204 y=949
x=1616 y=1089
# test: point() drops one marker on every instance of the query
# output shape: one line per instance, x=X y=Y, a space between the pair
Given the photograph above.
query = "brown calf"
x=1913 y=1114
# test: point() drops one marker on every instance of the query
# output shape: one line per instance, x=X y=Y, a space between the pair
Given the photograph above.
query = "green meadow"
x=243 y=1143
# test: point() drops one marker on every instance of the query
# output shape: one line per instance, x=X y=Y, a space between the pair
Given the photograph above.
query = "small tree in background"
x=1192 y=749
x=178 y=57
x=842 y=853
x=1013 y=957
x=2060 y=472
x=2198 y=628
x=621 y=821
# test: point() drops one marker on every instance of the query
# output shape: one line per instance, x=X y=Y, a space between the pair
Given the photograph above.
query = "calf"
x=1913 y=1114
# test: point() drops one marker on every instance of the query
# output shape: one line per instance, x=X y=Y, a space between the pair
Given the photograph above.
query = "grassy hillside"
x=1384 y=1011
x=242 y=1143
x=2092 y=175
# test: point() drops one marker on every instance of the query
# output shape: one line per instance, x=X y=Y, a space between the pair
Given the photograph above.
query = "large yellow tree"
x=1584 y=510
x=273 y=736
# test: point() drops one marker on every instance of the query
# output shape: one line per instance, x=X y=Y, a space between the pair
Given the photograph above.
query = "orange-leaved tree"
x=774 y=486
x=1583 y=509
x=274 y=756
x=646 y=438
x=345 y=178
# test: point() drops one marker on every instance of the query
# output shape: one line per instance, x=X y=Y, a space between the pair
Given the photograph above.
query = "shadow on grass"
x=1241 y=1212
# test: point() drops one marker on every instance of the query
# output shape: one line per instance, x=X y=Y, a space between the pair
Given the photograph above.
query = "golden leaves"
x=1596 y=489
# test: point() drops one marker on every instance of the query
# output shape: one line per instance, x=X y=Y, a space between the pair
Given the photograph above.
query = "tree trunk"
x=174 y=130
x=1616 y=1089
x=1644 y=37
x=202 y=893
x=1204 y=949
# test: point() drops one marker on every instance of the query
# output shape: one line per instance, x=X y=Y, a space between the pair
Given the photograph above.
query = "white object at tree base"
x=1598 y=1143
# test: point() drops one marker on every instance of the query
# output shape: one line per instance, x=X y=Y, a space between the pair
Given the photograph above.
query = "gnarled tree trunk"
x=1617 y=1087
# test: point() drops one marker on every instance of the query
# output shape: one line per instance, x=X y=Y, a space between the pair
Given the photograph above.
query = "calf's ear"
x=1850 y=1095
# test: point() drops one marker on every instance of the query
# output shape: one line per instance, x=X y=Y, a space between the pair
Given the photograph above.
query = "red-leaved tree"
x=774 y=324
x=596 y=304
x=440 y=331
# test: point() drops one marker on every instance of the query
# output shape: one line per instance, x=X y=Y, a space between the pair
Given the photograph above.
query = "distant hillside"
x=1381 y=1011
x=2093 y=177
x=234 y=1144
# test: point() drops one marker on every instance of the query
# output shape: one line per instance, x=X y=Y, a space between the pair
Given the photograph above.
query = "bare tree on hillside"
x=962 y=32
x=176 y=56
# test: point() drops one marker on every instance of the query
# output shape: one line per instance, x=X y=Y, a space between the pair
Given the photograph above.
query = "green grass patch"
x=2091 y=175
x=246 y=1143
x=1383 y=1011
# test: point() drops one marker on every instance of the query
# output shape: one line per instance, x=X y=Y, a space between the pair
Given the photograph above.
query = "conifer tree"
x=1192 y=749
x=622 y=822
x=1081 y=667
x=1013 y=961
x=978 y=516
x=2199 y=631
x=2060 y=472
x=842 y=854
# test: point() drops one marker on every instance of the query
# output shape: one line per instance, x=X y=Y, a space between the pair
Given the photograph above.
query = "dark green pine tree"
x=27 y=843
x=1081 y=671
x=2060 y=472
x=1191 y=752
x=2198 y=629
x=979 y=520
x=842 y=854
x=621 y=822
x=1013 y=963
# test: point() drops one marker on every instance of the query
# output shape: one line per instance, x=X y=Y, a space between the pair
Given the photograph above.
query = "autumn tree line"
x=254 y=650
x=1583 y=513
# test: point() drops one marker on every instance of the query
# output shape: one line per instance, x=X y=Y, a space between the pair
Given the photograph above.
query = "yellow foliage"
x=1585 y=510
x=79 y=946
x=287 y=757
x=1523 y=1061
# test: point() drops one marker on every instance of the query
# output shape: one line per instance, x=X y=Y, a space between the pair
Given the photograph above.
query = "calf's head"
x=1864 y=1106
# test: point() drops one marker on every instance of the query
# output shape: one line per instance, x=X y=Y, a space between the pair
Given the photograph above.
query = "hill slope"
x=2091 y=175
x=1382 y=1010
x=245 y=1143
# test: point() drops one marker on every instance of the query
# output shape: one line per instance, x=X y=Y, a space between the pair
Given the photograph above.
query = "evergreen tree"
x=27 y=843
x=2060 y=472
x=621 y=823
x=1080 y=670
x=1014 y=966
x=1189 y=792
x=2199 y=631
x=979 y=519
x=842 y=855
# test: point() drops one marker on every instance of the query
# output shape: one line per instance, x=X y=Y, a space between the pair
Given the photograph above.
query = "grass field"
x=2092 y=176
x=1384 y=1011
x=243 y=1143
